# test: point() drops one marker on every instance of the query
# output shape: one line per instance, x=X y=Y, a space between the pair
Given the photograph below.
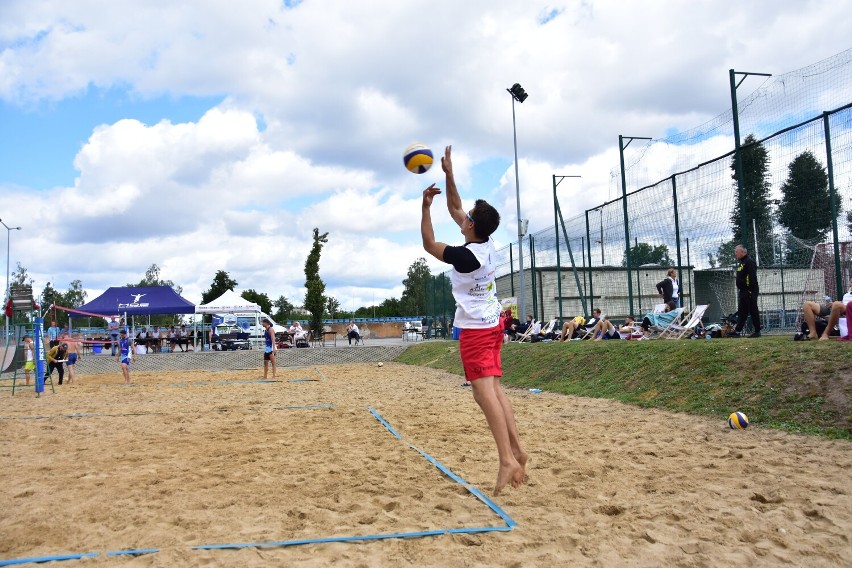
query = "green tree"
x=259 y=298
x=222 y=282
x=755 y=198
x=50 y=296
x=413 y=300
x=284 y=311
x=75 y=296
x=332 y=307
x=315 y=287
x=725 y=254
x=643 y=253
x=390 y=308
x=19 y=277
x=805 y=208
x=152 y=278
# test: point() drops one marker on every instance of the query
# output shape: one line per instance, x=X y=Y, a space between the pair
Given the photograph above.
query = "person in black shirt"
x=747 y=291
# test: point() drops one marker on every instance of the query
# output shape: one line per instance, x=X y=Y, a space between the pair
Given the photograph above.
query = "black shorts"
x=267 y=356
x=824 y=310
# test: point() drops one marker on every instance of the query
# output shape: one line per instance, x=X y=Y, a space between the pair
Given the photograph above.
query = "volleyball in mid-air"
x=417 y=158
x=737 y=421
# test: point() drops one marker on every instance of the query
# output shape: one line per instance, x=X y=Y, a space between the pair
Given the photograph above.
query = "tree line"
x=316 y=304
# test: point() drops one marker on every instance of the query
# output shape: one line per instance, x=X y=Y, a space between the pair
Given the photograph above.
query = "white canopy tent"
x=230 y=303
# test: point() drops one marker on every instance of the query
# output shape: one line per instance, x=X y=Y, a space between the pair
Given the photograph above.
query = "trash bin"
x=96 y=347
x=456 y=333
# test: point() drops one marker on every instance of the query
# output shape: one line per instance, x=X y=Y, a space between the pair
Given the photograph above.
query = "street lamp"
x=518 y=94
x=8 y=287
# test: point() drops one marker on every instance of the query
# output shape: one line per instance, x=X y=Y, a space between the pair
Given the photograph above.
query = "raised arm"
x=454 y=204
x=431 y=246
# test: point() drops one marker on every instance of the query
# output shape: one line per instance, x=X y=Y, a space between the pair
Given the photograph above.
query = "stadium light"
x=8 y=287
x=518 y=94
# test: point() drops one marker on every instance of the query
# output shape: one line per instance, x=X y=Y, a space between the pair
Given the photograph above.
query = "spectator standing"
x=747 y=291
x=669 y=288
x=112 y=327
x=53 y=335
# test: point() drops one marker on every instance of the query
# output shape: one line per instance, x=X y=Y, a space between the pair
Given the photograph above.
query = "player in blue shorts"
x=125 y=355
x=269 y=347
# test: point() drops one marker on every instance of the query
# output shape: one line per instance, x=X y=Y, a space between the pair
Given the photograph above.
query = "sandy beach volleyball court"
x=185 y=459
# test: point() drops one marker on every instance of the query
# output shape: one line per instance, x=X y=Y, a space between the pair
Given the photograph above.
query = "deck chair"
x=660 y=331
x=525 y=336
x=548 y=328
x=676 y=331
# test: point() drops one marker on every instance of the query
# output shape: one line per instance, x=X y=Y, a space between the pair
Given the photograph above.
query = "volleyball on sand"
x=417 y=158
x=737 y=421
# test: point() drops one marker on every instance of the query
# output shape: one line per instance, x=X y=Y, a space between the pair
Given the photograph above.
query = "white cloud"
x=320 y=100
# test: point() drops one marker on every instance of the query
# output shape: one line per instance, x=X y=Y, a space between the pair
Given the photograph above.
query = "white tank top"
x=476 y=292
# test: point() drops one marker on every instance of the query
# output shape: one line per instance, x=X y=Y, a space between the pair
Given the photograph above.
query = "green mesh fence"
x=684 y=210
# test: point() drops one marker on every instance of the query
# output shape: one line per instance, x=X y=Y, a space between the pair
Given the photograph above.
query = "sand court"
x=188 y=459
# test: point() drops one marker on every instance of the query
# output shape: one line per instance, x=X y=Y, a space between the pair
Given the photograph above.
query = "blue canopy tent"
x=132 y=301
x=137 y=301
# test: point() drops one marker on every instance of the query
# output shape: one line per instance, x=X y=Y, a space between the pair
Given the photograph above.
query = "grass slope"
x=796 y=386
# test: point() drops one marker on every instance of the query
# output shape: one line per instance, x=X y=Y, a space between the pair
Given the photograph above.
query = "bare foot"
x=522 y=476
x=508 y=473
x=823 y=338
x=813 y=336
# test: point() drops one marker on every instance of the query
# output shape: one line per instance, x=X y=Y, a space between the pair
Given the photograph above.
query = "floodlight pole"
x=621 y=147
x=738 y=158
x=518 y=94
x=8 y=283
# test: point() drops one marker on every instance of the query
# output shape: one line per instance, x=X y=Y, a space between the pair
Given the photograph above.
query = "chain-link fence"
x=790 y=209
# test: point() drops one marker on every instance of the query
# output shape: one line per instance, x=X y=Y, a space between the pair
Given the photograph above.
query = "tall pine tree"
x=315 y=287
x=755 y=199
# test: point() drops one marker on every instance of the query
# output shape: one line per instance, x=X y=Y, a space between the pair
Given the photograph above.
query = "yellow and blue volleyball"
x=737 y=421
x=417 y=158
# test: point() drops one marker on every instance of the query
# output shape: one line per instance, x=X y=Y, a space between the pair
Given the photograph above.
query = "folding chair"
x=525 y=336
x=547 y=329
x=659 y=331
x=691 y=323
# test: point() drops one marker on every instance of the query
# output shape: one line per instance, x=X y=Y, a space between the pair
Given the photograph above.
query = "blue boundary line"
x=385 y=423
x=510 y=523
x=136 y=552
x=385 y=536
x=16 y=561
x=472 y=489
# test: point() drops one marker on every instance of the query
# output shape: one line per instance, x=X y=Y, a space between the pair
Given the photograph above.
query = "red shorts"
x=480 y=352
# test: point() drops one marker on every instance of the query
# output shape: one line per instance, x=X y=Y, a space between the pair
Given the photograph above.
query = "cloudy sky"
x=215 y=135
